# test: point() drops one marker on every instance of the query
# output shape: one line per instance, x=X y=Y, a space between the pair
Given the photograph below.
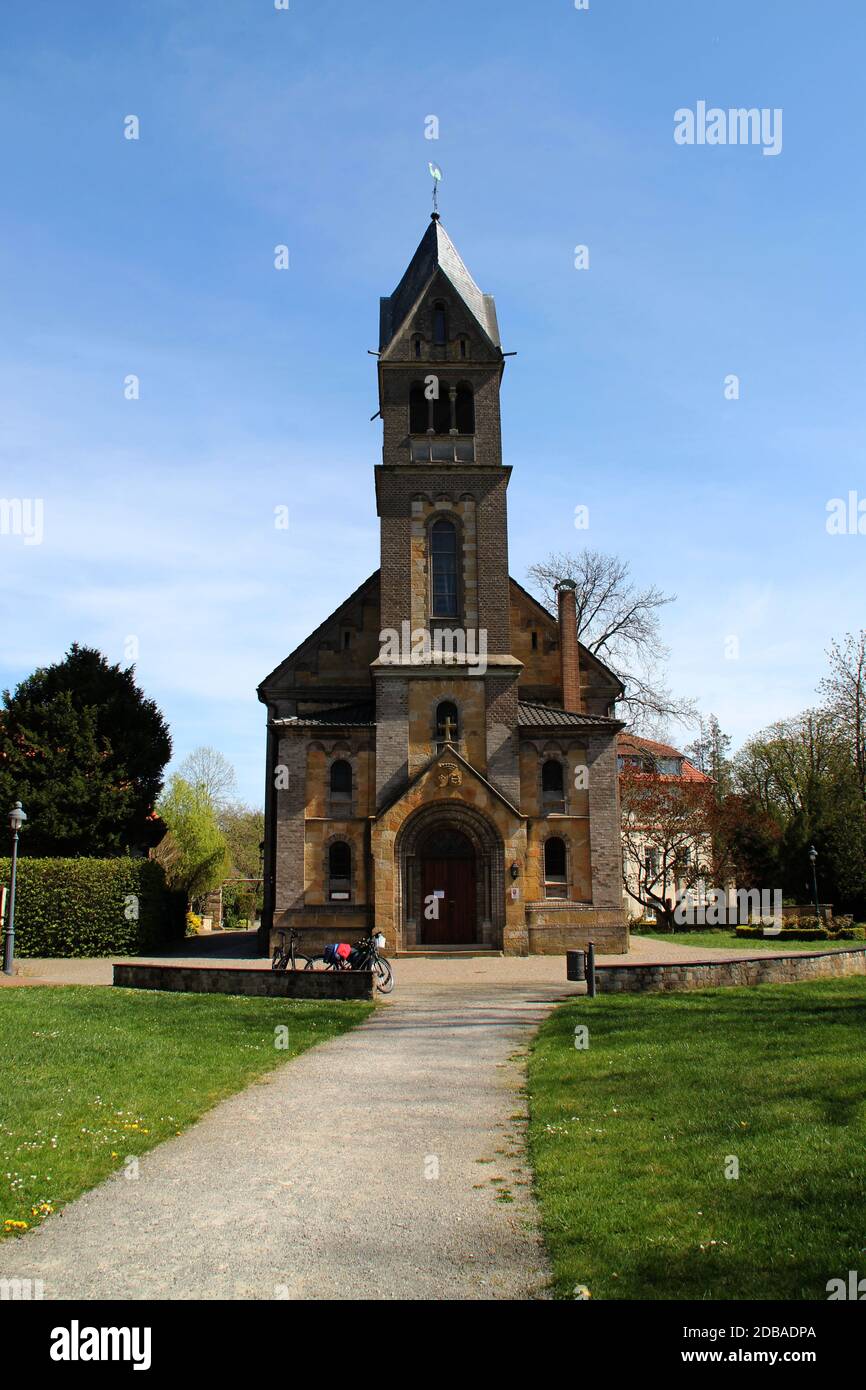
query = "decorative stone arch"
x=489 y=851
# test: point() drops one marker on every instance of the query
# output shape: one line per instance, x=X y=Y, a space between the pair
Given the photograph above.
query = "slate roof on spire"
x=436 y=251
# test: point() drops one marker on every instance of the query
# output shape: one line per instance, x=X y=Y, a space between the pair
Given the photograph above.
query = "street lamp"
x=813 y=855
x=16 y=820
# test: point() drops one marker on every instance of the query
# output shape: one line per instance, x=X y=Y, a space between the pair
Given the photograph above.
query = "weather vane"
x=436 y=175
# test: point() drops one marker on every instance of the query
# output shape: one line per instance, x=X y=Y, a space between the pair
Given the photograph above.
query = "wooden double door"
x=449 y=898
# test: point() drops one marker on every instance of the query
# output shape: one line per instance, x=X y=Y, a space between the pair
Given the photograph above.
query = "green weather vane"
x=436 y=175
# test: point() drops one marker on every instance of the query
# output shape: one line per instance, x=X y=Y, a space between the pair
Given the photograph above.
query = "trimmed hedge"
x=806 y=933
x=92 y=907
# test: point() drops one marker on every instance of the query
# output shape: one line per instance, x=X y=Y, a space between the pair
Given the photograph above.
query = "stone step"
x=449 y=953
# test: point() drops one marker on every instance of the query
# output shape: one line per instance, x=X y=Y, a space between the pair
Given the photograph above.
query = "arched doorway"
x=434 y=841
x=448 y=888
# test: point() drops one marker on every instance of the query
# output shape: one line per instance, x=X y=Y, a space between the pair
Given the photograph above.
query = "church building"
x=442 y=751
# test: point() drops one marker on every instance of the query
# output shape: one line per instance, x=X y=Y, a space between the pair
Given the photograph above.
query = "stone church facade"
x=442 y=751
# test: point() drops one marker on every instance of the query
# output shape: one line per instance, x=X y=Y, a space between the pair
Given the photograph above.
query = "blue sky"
x=306 y=127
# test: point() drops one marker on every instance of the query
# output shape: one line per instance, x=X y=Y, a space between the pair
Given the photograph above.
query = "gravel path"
x=319 y=1180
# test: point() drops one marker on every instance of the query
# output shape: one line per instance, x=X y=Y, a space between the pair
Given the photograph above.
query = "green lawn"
x=727 y=938
x=629 y=1140
x=92 y=1076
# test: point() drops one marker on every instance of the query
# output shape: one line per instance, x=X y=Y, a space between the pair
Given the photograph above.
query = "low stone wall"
x=655 y=979
x=224 y=979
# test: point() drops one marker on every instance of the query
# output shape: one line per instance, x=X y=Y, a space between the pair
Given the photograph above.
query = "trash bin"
x=575 y=965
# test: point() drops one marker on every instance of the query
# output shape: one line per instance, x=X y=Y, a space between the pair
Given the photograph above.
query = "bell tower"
x=441 y=499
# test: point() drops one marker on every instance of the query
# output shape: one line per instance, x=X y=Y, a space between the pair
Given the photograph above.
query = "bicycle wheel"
x=317 y=963
x=279 y=961
x=384 y=976
x=302 y=963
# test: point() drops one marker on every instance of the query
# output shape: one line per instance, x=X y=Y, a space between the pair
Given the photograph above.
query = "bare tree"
x=666 y=840
x=709 y=751
x=619 y=623
x=210 y=772
x=844 y=692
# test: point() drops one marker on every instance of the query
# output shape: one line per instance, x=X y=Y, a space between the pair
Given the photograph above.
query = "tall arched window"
x=447 y=721
x=419 y=409
x=443 y=570
x=440 y=324
x=341 y=780
x=555 y=885
x=339 y=871
x=552 y=785
x=465 y=409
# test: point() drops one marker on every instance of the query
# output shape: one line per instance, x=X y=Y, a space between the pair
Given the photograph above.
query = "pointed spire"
x=435 y=252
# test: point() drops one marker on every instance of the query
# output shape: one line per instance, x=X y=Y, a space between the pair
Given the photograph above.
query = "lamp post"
x=16 y=820
x=813 y=855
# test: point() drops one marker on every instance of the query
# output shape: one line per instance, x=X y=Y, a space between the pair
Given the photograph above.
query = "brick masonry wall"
x=290 y=811
x=503 y=749
x=320 y=926
x=396 y=492
x=552 y=934
x=655 y=979
x=289 y=984
x=604 y=815
x=392 y=736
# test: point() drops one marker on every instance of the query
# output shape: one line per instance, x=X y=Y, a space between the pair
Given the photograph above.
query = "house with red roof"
x=659 y=859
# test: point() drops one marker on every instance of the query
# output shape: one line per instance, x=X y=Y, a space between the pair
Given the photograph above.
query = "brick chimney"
x=568 y=650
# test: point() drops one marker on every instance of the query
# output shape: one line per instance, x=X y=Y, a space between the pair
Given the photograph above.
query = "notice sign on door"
x=438 y=892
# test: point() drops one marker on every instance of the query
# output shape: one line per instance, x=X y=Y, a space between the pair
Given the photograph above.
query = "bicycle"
x=364 y=956
x=287 y=955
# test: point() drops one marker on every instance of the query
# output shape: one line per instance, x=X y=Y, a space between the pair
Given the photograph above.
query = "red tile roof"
x=632 y=744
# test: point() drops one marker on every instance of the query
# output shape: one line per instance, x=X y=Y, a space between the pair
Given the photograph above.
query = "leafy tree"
x=193 y=851
x=620 y=624
x=746 y=843
x=801 y=775
x=84 y=750
x=244 y=831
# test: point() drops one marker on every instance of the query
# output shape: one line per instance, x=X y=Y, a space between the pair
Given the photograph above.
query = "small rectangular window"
x=535 y=641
